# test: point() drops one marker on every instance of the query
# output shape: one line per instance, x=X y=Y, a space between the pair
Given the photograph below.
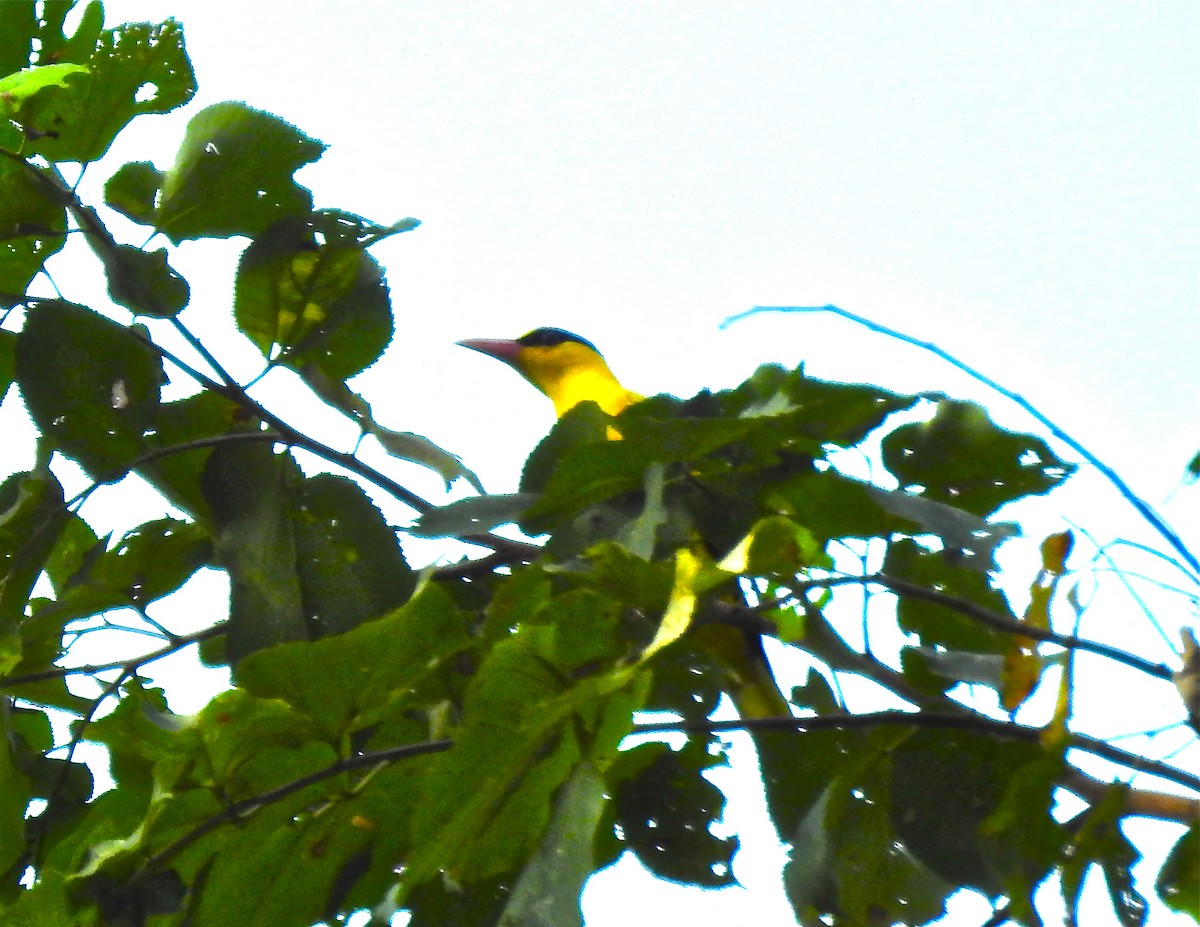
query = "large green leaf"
x=33 y=226
x=351 y=568
x=321 y=304
x=848 y=864
x=945 y=787
x=937 y=624
x=90 y=385
x=962 y=458
x=134 y=69
x=348 y=682
x=664 y=811
x=233 y=175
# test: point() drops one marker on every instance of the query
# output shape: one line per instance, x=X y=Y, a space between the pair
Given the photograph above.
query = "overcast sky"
x=1017 y=182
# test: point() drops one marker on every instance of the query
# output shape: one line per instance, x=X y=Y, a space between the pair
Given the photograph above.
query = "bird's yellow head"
x=565 y=367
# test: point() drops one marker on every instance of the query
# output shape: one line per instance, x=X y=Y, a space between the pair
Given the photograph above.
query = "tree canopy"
x=453 y=739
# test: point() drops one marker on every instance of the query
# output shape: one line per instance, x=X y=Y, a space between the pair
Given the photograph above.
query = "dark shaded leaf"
x=90 y=385
x=8 y=361
x=1179 y=881
x=197 y=419
x=145 y=283
x=18 y=25
x=945 y=786
x=962 y=458
x=33 y=226
x=937 y=624
x=32 y=514
x=665 y=809
x=133 y=190
x=351 y=568
x=151 y=561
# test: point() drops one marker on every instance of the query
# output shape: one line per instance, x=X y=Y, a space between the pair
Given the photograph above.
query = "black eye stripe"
x=549 y=337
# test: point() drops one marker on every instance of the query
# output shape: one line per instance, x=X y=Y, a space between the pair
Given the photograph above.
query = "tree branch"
x=127 y=666
x=953 y=721
x=992 y=619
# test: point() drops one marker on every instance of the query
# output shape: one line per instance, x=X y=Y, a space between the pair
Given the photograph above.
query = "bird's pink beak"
x=499 y=348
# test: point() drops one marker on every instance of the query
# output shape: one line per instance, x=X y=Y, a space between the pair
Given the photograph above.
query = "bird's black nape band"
x=549 y=337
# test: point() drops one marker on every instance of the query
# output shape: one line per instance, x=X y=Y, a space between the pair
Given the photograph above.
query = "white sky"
x=1017 y=182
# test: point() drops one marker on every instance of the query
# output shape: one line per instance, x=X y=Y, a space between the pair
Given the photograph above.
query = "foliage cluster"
x=453 y=740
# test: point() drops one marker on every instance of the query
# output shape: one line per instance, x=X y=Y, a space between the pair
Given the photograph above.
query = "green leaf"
x=198 y=419
x=486 y=802
x=8 y=361
x=233 y=175
x=351 y=568
x=1179 y=880
x=19 y=89
x=18 y=25
x=835 y=413
x=251 y=493
x=960 y=457
x=665 y=810
x=253 y=745
x=152 y=561
x=323 y=305
x=145 y=283
x=945 y=786
x=133 y=189
x=348 y=682
x=937 y=624
x=135 y=69
x=14 y=798
x=89 y=384
x=33 y=225
x=32 y=513
x=852 y=866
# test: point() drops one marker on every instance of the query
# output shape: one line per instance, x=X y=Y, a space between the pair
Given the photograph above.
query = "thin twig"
x=130 y=665
x=994 y=620
x=250 y=805
x=927 y=719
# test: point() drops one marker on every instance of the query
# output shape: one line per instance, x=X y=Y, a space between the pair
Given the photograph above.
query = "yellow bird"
x=570 y=370
x=565 y=367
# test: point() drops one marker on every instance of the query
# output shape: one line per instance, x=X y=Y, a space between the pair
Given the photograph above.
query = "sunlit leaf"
x=133 y=69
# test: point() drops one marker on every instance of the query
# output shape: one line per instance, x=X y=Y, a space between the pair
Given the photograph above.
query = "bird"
x=564 y=367
x=569 y=370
